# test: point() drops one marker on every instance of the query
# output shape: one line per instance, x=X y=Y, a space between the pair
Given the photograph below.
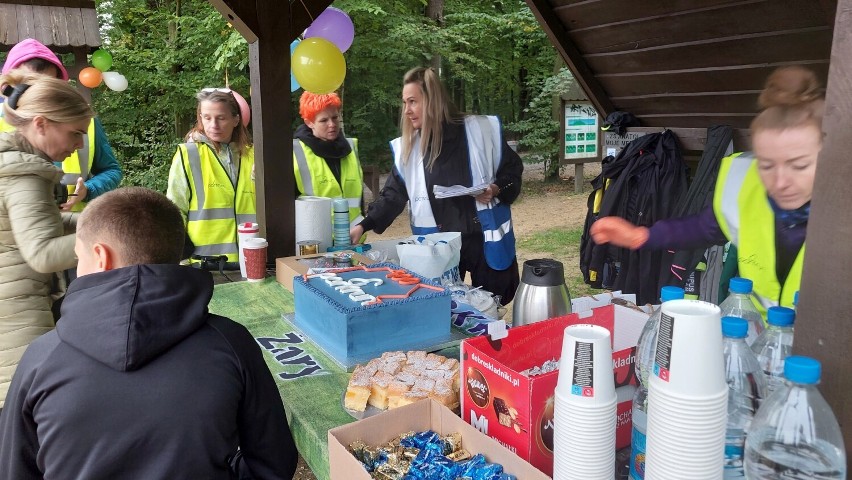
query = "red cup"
x=254 y=249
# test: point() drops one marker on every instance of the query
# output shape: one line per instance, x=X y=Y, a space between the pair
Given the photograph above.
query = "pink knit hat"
x=29 y=49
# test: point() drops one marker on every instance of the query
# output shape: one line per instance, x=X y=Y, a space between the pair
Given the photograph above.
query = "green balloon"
x=102 y=60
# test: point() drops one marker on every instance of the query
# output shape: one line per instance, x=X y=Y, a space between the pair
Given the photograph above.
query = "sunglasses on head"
x=220 y=90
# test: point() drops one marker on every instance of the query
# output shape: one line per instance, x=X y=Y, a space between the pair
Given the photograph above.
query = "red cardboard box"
x=516 y=410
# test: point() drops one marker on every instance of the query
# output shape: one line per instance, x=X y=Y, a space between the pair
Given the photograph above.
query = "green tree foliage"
x=495 y=59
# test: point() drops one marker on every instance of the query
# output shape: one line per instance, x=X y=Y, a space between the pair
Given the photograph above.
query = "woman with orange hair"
x=324 y=161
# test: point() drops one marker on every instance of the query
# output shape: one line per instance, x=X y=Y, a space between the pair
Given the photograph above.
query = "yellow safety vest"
x=742 y=209
x=215 y=207
x=313 y=177
x=71 y=166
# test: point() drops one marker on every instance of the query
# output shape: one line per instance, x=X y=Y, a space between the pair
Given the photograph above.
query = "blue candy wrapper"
x=468 y=319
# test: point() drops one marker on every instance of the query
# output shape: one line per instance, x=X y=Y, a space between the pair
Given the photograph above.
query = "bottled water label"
x=638 y=445
x=734 y=451
x=663 y=354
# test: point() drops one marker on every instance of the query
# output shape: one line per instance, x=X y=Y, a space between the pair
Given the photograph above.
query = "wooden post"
x=823 y=324
x=271 y=117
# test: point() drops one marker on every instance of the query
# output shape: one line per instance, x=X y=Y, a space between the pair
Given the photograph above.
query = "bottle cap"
x=780 y=316
x=671 y=293
x=734 y=327
x=740 y=285
x=800 y=369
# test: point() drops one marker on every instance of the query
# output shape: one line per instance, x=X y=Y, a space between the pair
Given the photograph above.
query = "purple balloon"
x=335 y=26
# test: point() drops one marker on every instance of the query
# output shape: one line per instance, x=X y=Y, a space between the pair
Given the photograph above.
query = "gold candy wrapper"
x=410 y=453
x=452 y=443
x=390 y=472
x=459 y=455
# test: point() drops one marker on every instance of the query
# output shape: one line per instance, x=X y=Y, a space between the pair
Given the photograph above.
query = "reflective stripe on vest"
x=314 y=177
x=743 y=212
x=485 y=147
x=215 y=206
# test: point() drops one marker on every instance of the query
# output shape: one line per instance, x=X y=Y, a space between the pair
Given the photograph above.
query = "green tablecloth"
x=310 y=383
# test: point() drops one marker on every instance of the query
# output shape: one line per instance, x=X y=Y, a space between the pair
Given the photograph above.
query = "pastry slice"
x=358 y=390
x=411 y=397
x=396 y=390
x=379 y=390
x=444 y=394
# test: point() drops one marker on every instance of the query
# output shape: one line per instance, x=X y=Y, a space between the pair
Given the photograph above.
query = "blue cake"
x=356 y=313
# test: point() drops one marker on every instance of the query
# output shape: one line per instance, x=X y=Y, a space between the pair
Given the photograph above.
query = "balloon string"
x=307 y=10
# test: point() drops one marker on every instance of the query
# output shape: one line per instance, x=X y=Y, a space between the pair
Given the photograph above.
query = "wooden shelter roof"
x=685 y=63
x=62 y=25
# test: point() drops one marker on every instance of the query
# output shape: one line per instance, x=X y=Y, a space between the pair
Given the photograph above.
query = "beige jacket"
x=33 y=245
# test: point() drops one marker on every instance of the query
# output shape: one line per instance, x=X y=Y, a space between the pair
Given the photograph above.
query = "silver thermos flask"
x=542 y=293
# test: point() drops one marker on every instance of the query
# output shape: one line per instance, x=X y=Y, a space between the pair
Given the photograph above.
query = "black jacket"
x=452 y=167
x=646 y=182
x=139 y=381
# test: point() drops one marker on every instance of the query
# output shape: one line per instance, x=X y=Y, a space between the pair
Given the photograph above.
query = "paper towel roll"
x=313 y=221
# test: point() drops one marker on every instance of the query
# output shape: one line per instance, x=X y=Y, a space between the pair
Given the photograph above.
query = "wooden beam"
x=243 y=15
x=303 y=13
x=559 y=37
x=822 y=324
x=271 y=118
x=56 y=3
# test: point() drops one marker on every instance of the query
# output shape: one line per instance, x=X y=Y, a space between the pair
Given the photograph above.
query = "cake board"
x=454 y=338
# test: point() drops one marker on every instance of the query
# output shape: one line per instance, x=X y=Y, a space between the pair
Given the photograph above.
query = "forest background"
x=493 y=56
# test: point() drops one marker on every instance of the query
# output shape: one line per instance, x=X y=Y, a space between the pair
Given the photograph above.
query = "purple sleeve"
x=693 y=231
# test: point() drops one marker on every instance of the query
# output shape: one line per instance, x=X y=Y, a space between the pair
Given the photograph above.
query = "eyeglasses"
x=220 y=90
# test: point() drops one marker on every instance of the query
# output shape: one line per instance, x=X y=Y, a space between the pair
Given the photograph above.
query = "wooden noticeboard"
x=580 y=137
x=581 y=131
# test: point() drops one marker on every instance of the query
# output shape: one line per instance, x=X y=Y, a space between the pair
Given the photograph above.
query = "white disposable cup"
x=584 y=437
x=682 y=446
x=245 y=231
x=689 y=359
x=585 y=370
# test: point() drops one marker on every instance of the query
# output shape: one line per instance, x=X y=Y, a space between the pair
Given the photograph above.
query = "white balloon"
x=115 y=81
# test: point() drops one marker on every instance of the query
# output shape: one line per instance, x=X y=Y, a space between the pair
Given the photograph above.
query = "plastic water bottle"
x=774 y=345
x=795 y=435
x=739 y=304
x=644 y=362
x=746 y=384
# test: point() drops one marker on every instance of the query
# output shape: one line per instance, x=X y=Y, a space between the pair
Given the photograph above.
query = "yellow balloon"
x=318 y=65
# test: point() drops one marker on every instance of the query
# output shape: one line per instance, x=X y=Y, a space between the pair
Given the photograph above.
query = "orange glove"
x=619 y=232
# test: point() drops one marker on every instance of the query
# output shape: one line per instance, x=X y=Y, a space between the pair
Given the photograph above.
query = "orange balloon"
x=90 y=77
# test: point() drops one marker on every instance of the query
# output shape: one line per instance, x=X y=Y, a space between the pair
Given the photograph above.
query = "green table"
x=311 y=384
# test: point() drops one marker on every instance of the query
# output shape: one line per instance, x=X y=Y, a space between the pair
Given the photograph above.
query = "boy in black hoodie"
x=138 y=380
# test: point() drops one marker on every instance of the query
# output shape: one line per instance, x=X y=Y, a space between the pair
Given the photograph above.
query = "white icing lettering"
x=348 y=289
x=363 y=298
x=336 y=282
x=364 y=281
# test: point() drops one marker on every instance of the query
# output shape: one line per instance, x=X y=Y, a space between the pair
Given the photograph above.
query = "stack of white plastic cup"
x=245 y=231
x=585 y=406
x=687 y=395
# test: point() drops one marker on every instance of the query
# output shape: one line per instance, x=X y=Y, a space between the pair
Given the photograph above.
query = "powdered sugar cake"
x=357 y=313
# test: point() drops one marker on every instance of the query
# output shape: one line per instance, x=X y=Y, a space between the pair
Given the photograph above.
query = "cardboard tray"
x=420 y=416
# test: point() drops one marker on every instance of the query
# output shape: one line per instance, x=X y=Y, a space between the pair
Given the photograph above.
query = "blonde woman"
x=50 y=119
x=211 y=179
x=440 y=146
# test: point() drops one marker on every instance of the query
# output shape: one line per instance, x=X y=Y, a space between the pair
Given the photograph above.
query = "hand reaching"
x=619 y=232
x=355 y=234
